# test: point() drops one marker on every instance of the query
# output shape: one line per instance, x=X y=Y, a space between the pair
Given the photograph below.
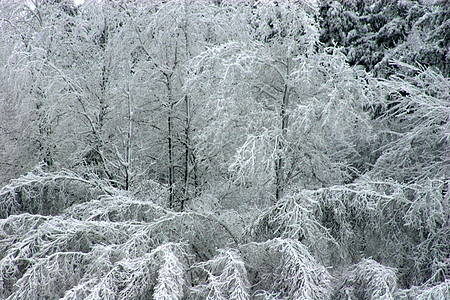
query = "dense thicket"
x=224 y=150
x=375 y=32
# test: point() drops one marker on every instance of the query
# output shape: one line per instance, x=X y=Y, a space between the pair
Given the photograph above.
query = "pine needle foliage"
x=417 y=115
x=171 y=274
x=89 y=259
x=293 y=217
x=115 y=247
x=342 y=224
x=42 y=192
x=121 y=247
x=370 y=280
x=426 y=292
x=286 y=270
x=439 y=291
x=226 y=277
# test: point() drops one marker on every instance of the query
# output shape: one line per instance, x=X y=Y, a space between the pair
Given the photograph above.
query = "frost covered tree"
x=218 y=150
x=164 y=38
x=291 y=88
x=375 y=32
x=28 y=119
x=60 y=82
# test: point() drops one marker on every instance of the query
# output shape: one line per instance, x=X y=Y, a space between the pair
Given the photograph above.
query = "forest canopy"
x=224 y=149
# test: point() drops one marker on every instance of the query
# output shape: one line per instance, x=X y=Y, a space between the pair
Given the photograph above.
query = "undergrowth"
x=365 y=240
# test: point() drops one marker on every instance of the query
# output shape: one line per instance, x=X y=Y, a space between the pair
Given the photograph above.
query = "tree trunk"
x=128 y=152
x=171 y=179
x=279 y=174
x=170 y=141
x=187 y=151
x=188 y=155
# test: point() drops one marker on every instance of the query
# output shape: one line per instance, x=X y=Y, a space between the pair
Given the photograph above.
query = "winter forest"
x=224 y=149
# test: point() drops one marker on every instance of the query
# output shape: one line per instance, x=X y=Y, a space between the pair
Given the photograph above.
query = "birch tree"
x=294 y=94
x=30 y=88
x=164 y=36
